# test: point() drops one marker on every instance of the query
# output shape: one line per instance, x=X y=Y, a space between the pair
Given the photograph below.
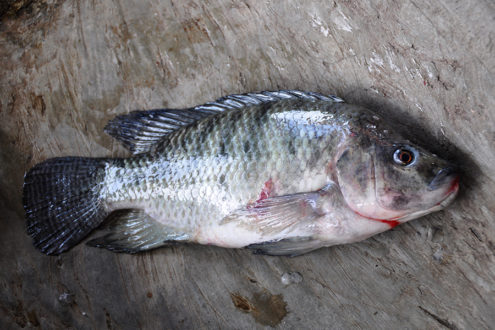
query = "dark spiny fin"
x=140 y=130
x=289 y=247
x=61 y=198
x=133 y=231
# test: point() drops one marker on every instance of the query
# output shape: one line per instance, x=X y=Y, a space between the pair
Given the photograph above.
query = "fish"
x=281 y=173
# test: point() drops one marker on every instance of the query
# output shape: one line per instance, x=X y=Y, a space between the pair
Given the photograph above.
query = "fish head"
x=394 y=180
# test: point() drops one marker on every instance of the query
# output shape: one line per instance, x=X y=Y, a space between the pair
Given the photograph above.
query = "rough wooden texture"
x=68 y=67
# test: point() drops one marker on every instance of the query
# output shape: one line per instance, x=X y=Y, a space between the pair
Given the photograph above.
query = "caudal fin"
x=61 y=197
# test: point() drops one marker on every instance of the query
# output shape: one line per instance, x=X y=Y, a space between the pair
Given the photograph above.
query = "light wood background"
x=67 y=67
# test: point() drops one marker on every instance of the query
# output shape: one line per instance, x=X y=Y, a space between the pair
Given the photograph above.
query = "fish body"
x=282 y=173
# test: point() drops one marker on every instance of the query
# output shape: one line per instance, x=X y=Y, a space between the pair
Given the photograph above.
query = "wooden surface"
x=69 y=66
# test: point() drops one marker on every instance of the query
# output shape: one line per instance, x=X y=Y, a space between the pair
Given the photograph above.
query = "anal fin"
x=132 y=231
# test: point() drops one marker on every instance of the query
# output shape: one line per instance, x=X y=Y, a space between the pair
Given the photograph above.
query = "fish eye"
x=404 y=156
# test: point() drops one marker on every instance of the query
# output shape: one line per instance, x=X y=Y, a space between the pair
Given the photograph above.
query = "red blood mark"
x=454 y=187
x=353 y=134
x=424 y=82
x=392 y=223
x=304 y=208
x=266 y=191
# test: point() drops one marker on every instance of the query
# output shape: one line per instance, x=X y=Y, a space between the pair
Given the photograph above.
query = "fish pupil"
x=403 y=156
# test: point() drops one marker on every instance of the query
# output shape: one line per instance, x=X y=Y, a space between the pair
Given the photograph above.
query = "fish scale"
x=183 y=187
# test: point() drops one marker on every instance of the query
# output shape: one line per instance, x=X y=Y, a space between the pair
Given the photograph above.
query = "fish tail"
x=62 y=200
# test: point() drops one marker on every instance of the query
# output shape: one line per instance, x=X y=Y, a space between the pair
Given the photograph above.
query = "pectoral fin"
x=282 y=214
x=277 y=214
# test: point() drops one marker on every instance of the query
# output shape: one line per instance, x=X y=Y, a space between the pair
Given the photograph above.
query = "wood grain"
x=70 y=66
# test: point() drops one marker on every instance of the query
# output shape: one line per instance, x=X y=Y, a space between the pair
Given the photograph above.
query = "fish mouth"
x=451 y=192
x=439 y=181
x=441 y=177
x=449 y=197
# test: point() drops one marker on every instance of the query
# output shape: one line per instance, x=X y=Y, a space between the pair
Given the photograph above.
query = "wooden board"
x=67 y=67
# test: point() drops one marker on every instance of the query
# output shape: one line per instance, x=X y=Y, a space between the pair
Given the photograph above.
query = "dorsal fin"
x=140 y=130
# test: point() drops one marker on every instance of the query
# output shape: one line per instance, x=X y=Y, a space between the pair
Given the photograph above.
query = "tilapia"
x=282 y=173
